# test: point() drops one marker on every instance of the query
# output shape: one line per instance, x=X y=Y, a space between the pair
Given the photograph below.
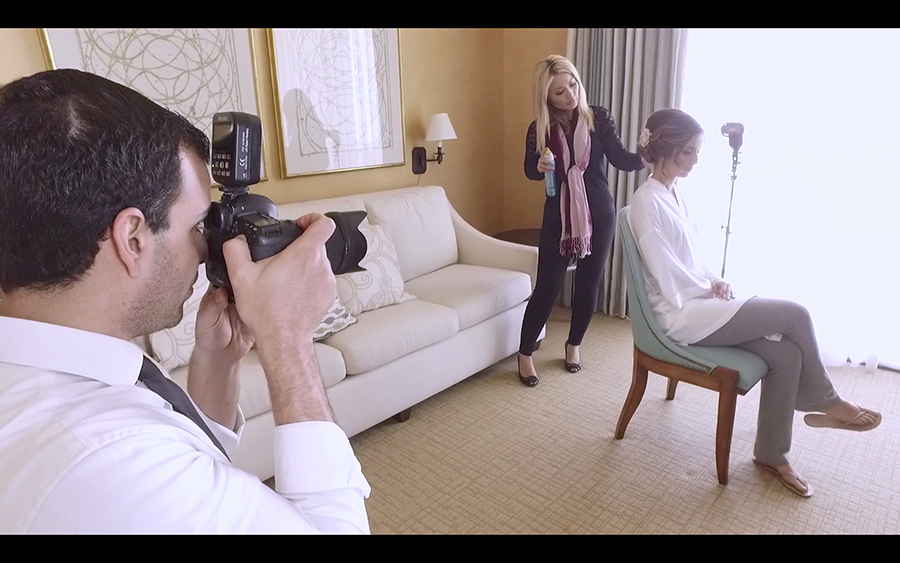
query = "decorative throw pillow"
x=335 y=320
x=172 y=347
x=381 y=284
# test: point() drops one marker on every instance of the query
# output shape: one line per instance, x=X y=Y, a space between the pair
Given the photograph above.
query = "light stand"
x=734 y=132
x=734 y=163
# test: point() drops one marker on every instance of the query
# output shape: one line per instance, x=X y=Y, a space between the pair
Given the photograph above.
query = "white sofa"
x=465 y=296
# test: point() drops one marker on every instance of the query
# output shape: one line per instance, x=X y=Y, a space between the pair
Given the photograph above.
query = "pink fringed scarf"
x=575 y=240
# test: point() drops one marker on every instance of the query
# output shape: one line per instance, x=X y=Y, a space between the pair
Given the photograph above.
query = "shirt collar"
x=113 y=361
x=660 y=186
x=656 y=183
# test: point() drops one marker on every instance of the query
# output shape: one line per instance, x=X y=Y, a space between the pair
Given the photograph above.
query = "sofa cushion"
x=255 y=399
x=388 y=333
x=381 y=284
x=476 y=293
x=421 y=227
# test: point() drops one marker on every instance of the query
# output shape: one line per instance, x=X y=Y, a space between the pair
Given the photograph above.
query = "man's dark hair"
x=75 y=150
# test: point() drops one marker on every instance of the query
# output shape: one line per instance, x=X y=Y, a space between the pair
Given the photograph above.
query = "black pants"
x=552 y=267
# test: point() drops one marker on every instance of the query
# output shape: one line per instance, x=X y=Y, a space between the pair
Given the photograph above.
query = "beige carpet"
x=491 y=456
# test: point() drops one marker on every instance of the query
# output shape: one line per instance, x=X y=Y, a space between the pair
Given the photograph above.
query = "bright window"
x=816 y=210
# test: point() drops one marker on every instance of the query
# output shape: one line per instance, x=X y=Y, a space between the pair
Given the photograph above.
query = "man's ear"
x=130 y=237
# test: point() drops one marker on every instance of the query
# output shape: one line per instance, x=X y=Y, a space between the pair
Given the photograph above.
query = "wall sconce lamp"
x=439 y=129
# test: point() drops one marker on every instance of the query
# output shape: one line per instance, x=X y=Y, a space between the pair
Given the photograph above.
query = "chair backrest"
x=648 y=336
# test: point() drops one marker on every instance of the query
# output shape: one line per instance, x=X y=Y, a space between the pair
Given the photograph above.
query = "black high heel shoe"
x=571 y=368
x=530 y=380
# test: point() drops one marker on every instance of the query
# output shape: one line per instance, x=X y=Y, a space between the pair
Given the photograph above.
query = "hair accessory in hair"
x=644 y=140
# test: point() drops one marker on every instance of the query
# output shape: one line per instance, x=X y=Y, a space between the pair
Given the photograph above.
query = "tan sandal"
x=825 y=421
x=783 y=478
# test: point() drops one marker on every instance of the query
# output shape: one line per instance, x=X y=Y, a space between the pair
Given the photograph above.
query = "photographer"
x=103 y=194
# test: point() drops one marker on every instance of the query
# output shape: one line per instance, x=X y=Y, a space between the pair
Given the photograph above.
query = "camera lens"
x=347 y=246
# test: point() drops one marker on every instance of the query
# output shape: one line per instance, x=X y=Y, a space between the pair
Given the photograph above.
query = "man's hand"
x=221 y=341
x=283 y=299
x=290 y=292
x=722 y=290
x=220 y=331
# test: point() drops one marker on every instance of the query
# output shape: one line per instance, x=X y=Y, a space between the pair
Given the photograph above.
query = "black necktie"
x=171 y=392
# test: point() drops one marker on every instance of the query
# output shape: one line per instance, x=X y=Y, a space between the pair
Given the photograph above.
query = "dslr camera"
x=235 y=163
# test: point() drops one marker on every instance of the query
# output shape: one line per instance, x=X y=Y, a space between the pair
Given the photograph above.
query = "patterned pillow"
x=381 y=284
x=335 y=320
x=172 y=347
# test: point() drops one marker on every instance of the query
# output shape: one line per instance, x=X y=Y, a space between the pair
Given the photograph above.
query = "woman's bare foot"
x=789 y=478
x=845 y=416
x=573 y=354
x=526 y=366
x=850 y=413
x=788 y=473
x=573 y=358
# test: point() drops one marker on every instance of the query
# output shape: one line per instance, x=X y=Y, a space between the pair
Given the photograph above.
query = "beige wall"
x=480 y=77
x=523 y=199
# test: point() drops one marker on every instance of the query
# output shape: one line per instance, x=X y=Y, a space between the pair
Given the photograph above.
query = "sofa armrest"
x=479 y=249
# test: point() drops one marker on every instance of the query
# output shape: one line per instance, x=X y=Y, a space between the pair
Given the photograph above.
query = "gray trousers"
x=796 y=380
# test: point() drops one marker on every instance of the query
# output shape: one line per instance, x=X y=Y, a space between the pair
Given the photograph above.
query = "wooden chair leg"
x=403 y=416
x=670 y=391
x=635 y=394
x=725 y=429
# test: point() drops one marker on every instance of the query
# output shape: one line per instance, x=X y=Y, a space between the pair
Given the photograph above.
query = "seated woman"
x=695 y=306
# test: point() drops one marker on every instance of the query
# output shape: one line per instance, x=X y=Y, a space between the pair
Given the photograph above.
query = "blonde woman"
x=696 y=306
x=579 y=221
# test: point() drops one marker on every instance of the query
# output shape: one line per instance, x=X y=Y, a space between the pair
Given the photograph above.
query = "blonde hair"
x=545 y=116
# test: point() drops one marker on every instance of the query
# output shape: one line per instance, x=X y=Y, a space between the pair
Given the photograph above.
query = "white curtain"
x=631 y=72
x=816 y=209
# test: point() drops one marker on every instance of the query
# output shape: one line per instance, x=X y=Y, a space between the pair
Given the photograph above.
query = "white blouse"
x=680 y=289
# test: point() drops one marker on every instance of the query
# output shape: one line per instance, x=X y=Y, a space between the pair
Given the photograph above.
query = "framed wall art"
x=196 y=72
x=338 y=99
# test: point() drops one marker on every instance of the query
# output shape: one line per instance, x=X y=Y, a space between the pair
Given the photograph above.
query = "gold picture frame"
x=195 y=72
x=338 y=97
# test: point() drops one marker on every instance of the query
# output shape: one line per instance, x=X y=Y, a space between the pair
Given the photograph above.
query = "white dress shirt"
x=85 y=448
x=680 y=288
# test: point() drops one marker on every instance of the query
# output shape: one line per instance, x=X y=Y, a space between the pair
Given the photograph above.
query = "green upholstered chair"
x=730 y=371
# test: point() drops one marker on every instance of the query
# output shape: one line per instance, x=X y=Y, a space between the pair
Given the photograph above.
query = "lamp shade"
x=440 y=128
